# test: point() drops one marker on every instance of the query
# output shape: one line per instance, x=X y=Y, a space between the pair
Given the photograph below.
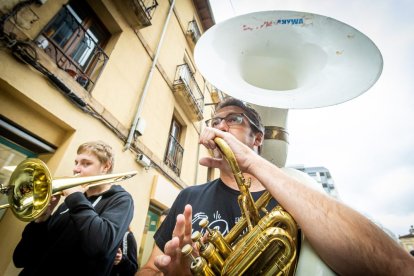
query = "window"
x=10 y=156
x=151 y=225
x=75 y=39
x=16 y=144
x=174 y=154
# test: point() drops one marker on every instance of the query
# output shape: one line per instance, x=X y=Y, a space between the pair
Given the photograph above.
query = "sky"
x=366 y=143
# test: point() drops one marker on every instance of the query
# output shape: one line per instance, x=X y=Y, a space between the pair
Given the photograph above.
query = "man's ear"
x=107 y=167
x=258 y=142
x=258 y=139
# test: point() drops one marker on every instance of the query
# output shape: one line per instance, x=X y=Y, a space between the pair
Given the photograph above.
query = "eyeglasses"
x=231 y=119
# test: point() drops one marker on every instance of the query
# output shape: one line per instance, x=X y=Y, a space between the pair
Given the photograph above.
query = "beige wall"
x=407 y=242
x=31 y=101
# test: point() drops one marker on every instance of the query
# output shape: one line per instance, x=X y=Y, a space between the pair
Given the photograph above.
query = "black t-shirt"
x=213 y=201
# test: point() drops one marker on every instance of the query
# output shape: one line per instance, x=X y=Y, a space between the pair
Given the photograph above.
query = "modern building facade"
x=119 y=71
x=323 y=177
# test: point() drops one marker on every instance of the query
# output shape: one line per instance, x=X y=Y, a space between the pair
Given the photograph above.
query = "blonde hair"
x=101 y=150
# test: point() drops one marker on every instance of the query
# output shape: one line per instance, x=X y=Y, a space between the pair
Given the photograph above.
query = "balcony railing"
x=83 y=59
x=193 y=31
x=174 y=155
x=188 y=92
x=216 y=94
x=149 y=6
x=138 y=13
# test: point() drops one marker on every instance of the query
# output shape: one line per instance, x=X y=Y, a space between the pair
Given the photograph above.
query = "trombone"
x=31 y=187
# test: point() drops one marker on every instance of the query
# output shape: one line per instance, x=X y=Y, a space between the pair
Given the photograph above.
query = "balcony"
x=187 y=93
x=87 y=75
x=138 y=13
x=193 y=33
x=73 y=48
x=174 y=155
x=216 y=95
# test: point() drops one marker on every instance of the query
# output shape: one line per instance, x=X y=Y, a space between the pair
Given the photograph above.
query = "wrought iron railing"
x=216 y=94
x=81 y=57
x=194 y=31
x=174 y=155
x=149 y=6
x=185 y=76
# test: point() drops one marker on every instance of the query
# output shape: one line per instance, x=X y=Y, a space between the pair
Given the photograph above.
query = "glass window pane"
x=151 y=226
x=10 y=156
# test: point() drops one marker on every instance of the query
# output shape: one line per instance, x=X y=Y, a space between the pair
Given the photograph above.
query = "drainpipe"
x=151 y=72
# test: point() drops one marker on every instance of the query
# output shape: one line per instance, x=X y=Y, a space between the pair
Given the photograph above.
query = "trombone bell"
x=31 y=187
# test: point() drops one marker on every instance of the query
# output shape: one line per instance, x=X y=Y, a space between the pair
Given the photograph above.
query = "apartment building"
x=119 y=71
x=323 y=177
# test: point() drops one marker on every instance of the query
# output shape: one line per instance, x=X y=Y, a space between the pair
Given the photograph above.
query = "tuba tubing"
x=246 y=202
x=267 y=248
x=242 y=223
x=262 y=236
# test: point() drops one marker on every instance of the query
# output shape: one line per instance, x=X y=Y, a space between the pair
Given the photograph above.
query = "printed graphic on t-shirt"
x=214 y=223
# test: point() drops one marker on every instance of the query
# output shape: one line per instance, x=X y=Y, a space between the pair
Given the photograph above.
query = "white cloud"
x=391 y=185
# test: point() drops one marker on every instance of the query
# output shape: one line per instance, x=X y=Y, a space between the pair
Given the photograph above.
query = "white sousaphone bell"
x=280 y=60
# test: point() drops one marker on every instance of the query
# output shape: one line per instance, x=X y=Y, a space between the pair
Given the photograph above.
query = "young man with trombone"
x=347 y=242
x=83 y=235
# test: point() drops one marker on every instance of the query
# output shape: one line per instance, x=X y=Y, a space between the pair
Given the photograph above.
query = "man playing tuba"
x=345 y=240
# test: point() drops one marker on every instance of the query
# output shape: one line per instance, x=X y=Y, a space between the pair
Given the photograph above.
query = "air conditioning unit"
x=143 y=160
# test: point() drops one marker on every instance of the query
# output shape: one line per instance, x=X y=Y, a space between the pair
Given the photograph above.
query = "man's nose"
x=223 y=126
x=76 y=170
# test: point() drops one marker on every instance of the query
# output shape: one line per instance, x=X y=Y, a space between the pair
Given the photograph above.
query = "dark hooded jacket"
x=80 y=238
x=128 y=265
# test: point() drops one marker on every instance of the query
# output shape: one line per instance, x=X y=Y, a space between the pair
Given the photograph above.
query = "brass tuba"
x=277 y=60
x=31 y=187
x=268 y=248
